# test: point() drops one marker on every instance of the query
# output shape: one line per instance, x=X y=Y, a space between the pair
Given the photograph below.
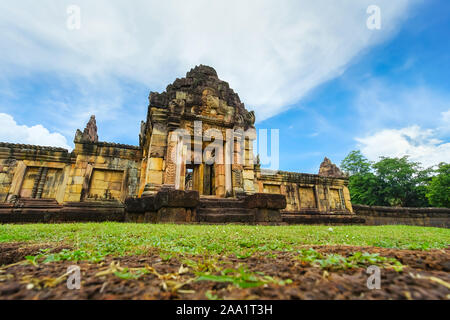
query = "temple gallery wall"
x=107 y=181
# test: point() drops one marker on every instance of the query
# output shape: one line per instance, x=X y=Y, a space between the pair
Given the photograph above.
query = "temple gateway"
x=195 y=163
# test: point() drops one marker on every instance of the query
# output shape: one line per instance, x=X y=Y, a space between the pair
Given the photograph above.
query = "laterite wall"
x=426 y=217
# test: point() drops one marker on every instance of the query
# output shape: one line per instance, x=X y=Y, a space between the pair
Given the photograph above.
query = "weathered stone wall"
x=103 y=171
x=93 y=171
x=307 y=192
x=46 y=211
x=427 y=217
x=33 y=171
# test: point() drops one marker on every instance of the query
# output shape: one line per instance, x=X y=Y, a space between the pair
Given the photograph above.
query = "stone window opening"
x=189 y=181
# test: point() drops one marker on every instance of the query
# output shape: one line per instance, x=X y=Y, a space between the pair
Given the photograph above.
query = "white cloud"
x=11 y=132
x=444 y=126
x=446 y=117
x=420 y=144
x=271 y=53
x=389 y=116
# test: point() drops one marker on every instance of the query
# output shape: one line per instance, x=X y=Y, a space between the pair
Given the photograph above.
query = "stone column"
x=17 y=180
x=249 y=165
x=171 y=167
x=178 y=163
x=237 y=166
x=228 y=162
x=157 y=151
x=60 y=194
x=348 y=202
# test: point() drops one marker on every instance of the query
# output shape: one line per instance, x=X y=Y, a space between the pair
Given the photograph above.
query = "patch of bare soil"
x=425 y=277
x=15 y=252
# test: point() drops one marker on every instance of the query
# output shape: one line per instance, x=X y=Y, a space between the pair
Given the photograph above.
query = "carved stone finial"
x=90 y=132
x=329 y=169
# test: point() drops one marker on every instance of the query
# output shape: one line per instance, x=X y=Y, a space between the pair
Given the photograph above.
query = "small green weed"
x=357 y=259
x=242 y=278
x=204 y=265
x=210 y=296
x=127 y=274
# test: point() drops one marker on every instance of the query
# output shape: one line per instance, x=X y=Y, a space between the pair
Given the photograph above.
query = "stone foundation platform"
x=49 y=211
x=425 y=217
x=177 y=206
x=323 y=219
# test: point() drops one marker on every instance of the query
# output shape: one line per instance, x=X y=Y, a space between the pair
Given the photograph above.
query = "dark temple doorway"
x=209 y=185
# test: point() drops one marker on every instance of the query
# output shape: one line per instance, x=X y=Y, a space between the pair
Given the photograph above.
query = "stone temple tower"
x=198 y=110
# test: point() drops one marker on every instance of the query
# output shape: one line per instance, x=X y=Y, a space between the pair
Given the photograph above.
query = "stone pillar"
x=157 y=151
x=316 y=197
x=184 y=154
x=86 y=182
x=237 y=166
x=17 y=180
x=219 y=170
x=347 y=198
x=249 y=165
x=200 y=177
x=228 y=162
x=62 y=190
x=220 y=180
x=171 y=167
x=178 y=163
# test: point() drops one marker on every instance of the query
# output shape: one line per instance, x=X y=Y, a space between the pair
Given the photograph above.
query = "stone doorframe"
x=224 y=169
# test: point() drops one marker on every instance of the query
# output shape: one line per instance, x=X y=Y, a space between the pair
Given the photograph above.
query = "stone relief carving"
x=202 y=93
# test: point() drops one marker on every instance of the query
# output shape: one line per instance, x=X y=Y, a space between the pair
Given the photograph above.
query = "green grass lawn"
x=93 y=241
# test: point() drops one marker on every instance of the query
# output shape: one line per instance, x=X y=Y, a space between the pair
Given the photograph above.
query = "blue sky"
x=312 y=70
x=414 y=65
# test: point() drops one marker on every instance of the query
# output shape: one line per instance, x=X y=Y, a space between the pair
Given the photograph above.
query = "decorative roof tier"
x=31 y=147
x=201 y=93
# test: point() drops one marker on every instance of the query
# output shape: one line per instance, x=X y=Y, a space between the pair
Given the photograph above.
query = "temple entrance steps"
x=216 y=202
x=224 y=210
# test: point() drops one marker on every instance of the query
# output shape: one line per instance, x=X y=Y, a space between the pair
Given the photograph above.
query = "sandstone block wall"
x=426 y=217
x=93 y=171
x=306 y=192
x=33 y=171
x=103 y=171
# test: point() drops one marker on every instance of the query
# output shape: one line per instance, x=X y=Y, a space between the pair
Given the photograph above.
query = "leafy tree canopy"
x=396 y=182
x=356 y=163
x=439 y=188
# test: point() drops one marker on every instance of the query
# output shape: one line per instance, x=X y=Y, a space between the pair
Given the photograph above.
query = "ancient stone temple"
x=203 y=108
x=195 y=163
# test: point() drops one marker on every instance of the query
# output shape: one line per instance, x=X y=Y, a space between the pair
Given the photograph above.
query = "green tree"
x=362 y=183
x=355 y=163
x=438 y=191
x=402 y=182
x=388 y=182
